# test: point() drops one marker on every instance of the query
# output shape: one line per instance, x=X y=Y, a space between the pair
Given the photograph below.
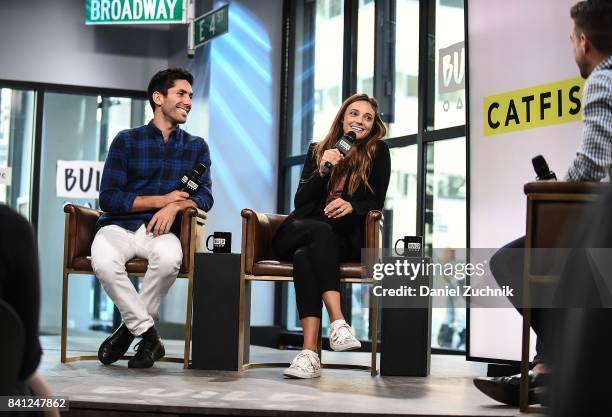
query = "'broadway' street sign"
x=98 y=12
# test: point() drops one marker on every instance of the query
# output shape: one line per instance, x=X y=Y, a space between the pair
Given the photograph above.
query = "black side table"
x=216 y=298
x=406 y=331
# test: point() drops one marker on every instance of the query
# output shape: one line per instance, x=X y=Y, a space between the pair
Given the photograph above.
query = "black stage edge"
x=216 y=296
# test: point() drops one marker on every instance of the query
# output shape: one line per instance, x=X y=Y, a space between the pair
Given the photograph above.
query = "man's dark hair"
x=594 y=18
x=164 y=80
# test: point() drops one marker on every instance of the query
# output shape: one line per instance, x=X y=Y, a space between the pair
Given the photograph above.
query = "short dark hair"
x=164 y=80
x=594 y=18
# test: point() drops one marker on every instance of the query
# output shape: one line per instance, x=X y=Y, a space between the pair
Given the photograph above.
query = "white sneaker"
x=305 y=365
x=342 y=337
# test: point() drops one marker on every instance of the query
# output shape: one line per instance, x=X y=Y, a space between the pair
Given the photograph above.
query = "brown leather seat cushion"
x=133 y=266
x=275 y=268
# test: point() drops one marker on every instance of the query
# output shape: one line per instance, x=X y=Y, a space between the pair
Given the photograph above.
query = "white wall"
x=512 y=45
x=47 y=41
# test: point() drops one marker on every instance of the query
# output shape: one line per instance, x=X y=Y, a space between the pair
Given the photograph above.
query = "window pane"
x=400 y=221
x=292 y=179
x=401 y=201
x=450 y=64
x=405 y=103
x=317 y=86
x=328 y=40
x=445 y=228
x=365 y=48
x=16 y=148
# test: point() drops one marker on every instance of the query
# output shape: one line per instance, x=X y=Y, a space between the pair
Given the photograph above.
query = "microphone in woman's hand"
x=344 y=145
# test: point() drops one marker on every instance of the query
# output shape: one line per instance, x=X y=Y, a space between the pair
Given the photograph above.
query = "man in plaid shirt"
x=139 y=196
x=591 y=39
x=594 y=59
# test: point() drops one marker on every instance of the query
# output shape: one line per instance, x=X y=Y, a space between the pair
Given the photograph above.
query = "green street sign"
x=210 y=25
x=108 y=12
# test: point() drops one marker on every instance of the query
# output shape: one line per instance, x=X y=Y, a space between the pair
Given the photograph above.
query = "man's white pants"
x=112 y=247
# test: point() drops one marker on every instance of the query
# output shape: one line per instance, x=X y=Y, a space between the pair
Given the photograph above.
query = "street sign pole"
x=190 y=29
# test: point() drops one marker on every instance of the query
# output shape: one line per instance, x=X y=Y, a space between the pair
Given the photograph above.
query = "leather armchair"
x=80 y=230
x=258 y=264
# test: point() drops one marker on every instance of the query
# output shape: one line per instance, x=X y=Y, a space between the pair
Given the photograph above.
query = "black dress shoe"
x=506 y=389
x=115 y=345
x=148 y=350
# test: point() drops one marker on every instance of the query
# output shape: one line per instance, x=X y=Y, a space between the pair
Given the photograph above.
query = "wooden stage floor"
x=167 y=389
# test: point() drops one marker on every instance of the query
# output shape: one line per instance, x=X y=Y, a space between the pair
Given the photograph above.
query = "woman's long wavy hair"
x=359 y=159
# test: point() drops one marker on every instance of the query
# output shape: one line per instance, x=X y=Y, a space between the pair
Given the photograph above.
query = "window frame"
x=39 y=90
x=426 y=109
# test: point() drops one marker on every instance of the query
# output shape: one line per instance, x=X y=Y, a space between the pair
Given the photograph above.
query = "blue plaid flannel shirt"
x=594 y=157
x=140 y=164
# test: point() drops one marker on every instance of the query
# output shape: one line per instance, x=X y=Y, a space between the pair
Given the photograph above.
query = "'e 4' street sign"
x=210 y=25
x=98 y=12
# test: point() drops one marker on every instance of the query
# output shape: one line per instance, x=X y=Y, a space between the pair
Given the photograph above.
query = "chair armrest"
x=190 y=212
x=80 y=231
x=565 y=187
x=373 y=229
x=185 y=237
x=258 y=229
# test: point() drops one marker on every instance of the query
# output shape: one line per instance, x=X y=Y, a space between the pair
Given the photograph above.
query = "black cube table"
x=216 y=297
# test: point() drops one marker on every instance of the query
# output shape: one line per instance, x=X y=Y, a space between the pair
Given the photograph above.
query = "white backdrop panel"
x=511 y=45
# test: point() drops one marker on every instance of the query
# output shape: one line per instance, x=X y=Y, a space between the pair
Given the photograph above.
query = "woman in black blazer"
x=326 y=226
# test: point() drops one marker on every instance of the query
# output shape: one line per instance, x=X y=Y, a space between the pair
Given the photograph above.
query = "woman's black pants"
x=316 y=248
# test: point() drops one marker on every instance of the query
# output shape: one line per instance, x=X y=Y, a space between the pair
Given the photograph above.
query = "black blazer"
x=313 y=190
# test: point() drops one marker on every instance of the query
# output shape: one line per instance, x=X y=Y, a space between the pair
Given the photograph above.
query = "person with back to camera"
x=327 y=224
x=20 y=289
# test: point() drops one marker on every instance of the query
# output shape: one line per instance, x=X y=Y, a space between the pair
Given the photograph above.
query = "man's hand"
x=162 y=221
x=338 y=208
x=174 y=196
x=153 y=202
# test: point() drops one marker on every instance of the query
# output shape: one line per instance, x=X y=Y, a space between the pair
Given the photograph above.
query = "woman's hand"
x=333 y=156
x=338 y=208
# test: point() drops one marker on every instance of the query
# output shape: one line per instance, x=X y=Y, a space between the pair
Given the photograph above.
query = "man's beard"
x=584 y=71
x=174 y=117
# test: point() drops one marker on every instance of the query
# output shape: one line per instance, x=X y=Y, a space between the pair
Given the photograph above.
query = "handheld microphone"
x=190 y=181
x=543 y=173
x=344 y=145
